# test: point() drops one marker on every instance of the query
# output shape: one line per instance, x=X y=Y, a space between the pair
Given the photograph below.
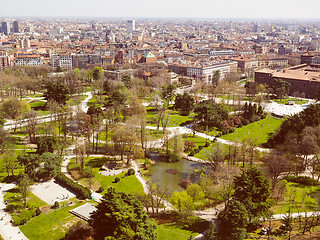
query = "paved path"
x=7 y=230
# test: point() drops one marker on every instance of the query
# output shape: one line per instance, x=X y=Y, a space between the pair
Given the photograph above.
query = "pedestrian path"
x=7 y=230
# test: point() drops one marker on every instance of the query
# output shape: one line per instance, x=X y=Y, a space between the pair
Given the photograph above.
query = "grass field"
x=303 y=197
x=295 y=100
x=259 y=131
x=175 y=119
x=170 y=232
x=51 y=225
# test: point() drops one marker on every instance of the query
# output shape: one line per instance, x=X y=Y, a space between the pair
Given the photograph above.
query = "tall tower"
x=15 y=26
x=131 y=25
x=5 y=28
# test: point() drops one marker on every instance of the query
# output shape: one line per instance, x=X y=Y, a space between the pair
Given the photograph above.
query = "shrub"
x=191 y=153
x=87 y=172
x=231 y=130
x=245 y=122
x=185 y=182
x=56 y=204
x=303 y=180
x=100 y=190
x=224 y=132
x=38 y=211
x=80 y=190
x=116 y=180
x=207 y=144
x=174 y=157
x=200 y=147
x=131 y=171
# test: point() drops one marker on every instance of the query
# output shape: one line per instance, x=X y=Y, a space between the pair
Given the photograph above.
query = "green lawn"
x=259 y=131
x=127 y=185
x=175 y=119
x=37 y=104
x=295 y=100
x=299 y=192
x=50 y=225
x=170 y=232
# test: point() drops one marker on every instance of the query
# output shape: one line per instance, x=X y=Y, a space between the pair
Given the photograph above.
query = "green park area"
x=259 y=131
x=289 y=99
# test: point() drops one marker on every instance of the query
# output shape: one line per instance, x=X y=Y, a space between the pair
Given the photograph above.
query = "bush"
x=116 y=180
x=56 y=204
x=100 y=190
x=303 y=180
x=224 y=132
x=207 y=144
x=245 y=122
x=219 y=134
x=80 y=190
x=87 y=172
x=131 y=171
x=200 y=147
x=173 y=157
x=231 y=130
x=191 y=154
x=38 y=211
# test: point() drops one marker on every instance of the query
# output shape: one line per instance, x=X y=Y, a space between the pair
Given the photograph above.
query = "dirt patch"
x=76 y=174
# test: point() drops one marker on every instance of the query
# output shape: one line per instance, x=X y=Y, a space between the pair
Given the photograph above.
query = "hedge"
x=80 y=190
x=303 y=180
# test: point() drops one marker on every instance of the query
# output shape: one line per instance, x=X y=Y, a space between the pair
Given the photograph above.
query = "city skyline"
x=203 y=9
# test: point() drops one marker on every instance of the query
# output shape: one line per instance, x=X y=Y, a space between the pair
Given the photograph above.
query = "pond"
x=169 y=175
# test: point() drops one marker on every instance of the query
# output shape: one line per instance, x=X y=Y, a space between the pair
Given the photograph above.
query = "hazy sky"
x=163 y=8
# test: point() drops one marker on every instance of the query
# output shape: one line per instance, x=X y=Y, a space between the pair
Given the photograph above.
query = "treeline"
x=294 y=126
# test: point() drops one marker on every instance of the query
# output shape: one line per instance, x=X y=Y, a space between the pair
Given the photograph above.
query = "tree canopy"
x=121 y=216
x=57 y=92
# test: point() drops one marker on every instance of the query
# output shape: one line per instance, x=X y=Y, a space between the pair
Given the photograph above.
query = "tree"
x=210 y=114
x=32 y=122
x=79 y=231
x=253 y=190
x=234 y=221
x=52 y=163
x=30 y=163
x=215 y=78
x=126 y=143
x=5 y=139
x=167 y=93
x=121 y=216
x=185 y=103
x=57 y=92
x=23 y=187
x=126 y=79
x=13 y=108
x=46 y=144
x=10 y=161
x=281 y=88
x=183 y=202
x=97 y=73
x=196 y=192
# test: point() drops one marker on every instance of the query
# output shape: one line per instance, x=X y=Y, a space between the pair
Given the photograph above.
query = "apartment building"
x=61 y=60
x=31 y=60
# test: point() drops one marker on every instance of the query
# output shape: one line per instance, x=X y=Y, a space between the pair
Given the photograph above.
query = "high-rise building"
x=5 y=28
x=15 y=26
x=131 y=25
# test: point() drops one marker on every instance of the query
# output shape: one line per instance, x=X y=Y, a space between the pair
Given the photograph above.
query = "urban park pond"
x=165 y=174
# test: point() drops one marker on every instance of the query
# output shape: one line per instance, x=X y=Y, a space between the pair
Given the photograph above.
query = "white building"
x=61 y=60
x=31 y=60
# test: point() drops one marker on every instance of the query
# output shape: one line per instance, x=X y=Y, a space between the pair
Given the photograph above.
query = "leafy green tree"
x=167 y=93
x=182 y=201
x=30 y=163
x=185 y=103
x=97 y=73
x=252 y=189
x=52 y=163
x=216 y=78
x=13 y=108
x=126 y=79
x=281 y=88
x=195 y=191
x=234 y=221
x=79 y=231
x=210 y=114
x=121 y=216
x=23 y=186
x=57 y=92
x=46 y=144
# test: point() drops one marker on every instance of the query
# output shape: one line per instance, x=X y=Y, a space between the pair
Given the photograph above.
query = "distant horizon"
x=124 y=18
x=166 y=9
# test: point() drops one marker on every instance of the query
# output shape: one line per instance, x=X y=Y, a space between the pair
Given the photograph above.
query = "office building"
x=5 y=28
x=131 y=25
x=15 y=26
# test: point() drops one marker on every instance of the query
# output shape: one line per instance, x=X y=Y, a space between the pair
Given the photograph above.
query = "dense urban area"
x=159 y=129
